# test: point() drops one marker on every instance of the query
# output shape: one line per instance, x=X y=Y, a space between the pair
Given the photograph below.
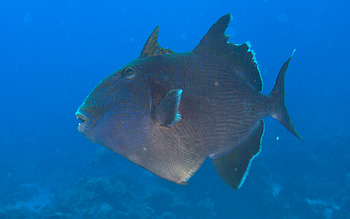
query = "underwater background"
x=52 y=53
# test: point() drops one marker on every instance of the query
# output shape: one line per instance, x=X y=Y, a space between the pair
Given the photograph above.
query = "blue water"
x=52 y=53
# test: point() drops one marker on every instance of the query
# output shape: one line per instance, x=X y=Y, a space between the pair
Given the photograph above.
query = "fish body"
x=168 y=112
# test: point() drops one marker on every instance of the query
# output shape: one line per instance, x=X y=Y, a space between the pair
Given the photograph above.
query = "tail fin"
x=280 y=112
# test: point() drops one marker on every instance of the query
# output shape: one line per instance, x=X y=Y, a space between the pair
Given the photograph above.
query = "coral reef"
x=317 y=187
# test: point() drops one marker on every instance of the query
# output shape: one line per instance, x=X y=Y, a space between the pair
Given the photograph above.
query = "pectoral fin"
x=234 y=167
x=167 y=112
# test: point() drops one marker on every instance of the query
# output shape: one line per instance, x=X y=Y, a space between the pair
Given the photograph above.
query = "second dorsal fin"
x=152 y=47
x=241 y=56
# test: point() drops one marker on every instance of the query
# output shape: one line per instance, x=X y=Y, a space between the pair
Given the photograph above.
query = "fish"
x=168 y=112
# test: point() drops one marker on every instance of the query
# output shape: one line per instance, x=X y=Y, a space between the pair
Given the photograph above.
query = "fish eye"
x=129 y=73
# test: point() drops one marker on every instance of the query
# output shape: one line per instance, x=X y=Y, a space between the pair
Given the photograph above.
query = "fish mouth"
x=83 y=121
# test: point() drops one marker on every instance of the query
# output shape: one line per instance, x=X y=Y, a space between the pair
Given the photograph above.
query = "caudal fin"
x=280 y=111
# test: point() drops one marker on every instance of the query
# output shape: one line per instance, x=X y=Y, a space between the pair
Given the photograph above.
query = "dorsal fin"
x=241 y=56
x=151 y=47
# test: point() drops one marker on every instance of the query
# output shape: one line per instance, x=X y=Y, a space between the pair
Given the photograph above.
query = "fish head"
x=136 y=113
x=114 y=114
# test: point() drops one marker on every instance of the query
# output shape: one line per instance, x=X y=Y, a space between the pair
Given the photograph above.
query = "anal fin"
x=234 y=167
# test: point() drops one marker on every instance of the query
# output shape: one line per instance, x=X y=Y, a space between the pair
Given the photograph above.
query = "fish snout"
x=83 y=121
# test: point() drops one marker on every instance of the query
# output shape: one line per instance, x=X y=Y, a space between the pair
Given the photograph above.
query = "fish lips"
x=84 y=121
